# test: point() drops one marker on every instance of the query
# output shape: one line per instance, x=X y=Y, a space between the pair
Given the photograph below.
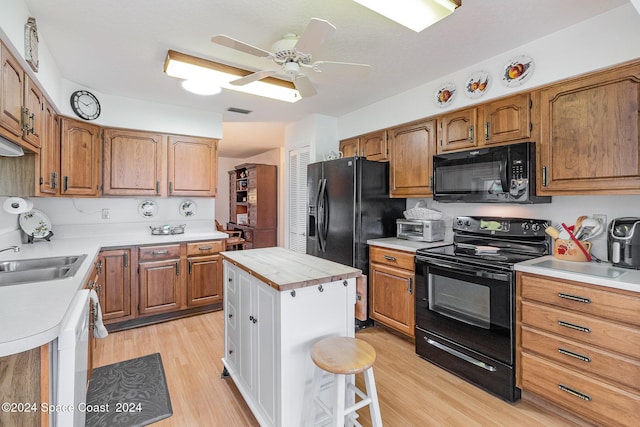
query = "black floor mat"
x=135 y=391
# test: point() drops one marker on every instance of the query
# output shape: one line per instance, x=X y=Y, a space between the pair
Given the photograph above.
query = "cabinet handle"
x=170 y=187
x=205 y=248
x=230 y=315
x=574 y=392
x=471 y=134
x=544 y=176
x=65 y=184
x=390 y=258
x=163 y=252
x=99 y=266
x=575 y=298
x=487 y=127
x=23 y=119
x=126 y=259
x=32 y=126
x=178 y=268
x=157 y=187
x=410 y=288
x=572 y=326
x=255 y=320
x=54 y=180
x=190 y=267
x=576 y=355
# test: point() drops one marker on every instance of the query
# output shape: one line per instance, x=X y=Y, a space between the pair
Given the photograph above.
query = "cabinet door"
x=246 y=355
x=115 y=285
x=92 y=284
x=411 y=156
x=506 y=120
x=132 y=163
x=590 y=134
x=231 y=315
x=50 y=153
x=204 y=280
x=34 y=114
x=192 y=166
x=350 y=147
x=264 y=347
x=374 y=145
x=11 y=94
x=159 y=286
x=392 y=298
x=80 y=158
x=457 y=130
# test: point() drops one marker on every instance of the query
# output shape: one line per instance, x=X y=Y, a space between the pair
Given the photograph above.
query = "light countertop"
x=405 y=245
x=30 y=313
x=603 y=274
x=284 y=269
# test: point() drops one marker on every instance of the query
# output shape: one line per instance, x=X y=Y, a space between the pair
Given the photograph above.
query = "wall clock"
x=31 y=43
x=85 y=105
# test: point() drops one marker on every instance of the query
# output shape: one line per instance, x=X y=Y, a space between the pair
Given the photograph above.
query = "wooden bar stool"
x=342 y=358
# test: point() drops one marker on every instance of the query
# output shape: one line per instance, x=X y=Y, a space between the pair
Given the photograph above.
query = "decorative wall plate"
x=517 y=71
x=148 y=208
x=188 y=208
x=478 y=84
x=445 y=94
x=35 y=223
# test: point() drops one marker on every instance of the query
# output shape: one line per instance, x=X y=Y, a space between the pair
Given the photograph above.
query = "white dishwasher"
x=72 y=363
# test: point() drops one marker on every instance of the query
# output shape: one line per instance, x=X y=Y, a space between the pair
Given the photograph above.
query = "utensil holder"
x=568 y=250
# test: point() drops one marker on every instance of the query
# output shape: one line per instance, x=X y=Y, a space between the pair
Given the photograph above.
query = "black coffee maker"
x=623 y=242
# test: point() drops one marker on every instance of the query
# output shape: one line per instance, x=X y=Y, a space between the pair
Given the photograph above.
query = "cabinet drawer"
x=595 y=400
x=205 y=248
x=586 y=329
x=585 y=299
x=404 y=260
x=146 y=253
x=585 y=358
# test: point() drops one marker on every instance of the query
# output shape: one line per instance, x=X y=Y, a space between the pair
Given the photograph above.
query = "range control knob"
x=535 y=227
x=525 y=226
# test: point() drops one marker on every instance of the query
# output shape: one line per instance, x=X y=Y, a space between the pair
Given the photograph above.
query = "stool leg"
x=309 y=403
x=374 y=407
x=350 y=399
x=338 y=408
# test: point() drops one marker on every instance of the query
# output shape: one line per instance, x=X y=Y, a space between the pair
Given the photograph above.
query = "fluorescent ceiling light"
x=413 y=14
x=193 y=70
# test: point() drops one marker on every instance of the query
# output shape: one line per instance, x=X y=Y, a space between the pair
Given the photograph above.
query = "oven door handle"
x=470 y=270
x=460 y=355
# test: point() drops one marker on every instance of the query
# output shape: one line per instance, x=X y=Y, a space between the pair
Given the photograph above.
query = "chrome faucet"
x=15 y=249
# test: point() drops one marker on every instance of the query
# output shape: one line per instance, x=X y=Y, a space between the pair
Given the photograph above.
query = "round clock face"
x=85 y=105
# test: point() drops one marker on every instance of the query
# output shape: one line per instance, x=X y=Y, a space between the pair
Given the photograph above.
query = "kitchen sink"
x=39 y=269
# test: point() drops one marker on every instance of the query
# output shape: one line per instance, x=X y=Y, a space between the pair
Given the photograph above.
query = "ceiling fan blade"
x=314 y=35
x=341 y=67
x=253 y=77
x=303 y=86
x=223 y=40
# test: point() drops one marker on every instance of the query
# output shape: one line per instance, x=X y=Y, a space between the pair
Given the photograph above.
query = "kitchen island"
x=278 y=303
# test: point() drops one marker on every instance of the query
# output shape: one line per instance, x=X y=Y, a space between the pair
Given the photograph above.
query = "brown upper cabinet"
x=80 y=158
x=132 y=163
x=138 y=163
x=192 y=166
x=49 y=164
x=505 y=120
x=372 y=146
x=457 y=130
x=411 y=149
x=590 y=134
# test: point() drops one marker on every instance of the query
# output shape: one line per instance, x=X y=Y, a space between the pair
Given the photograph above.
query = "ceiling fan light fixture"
x=413 y=14
x=201 y=87
x=193 y=69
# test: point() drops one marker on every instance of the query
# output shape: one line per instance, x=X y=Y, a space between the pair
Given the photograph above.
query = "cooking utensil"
x=563 y=233
x=577 y=242
x=553 y=232
x=578 y=226
x=590 y=228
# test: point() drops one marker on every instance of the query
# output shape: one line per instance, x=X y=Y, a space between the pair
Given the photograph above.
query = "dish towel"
x=99 y=331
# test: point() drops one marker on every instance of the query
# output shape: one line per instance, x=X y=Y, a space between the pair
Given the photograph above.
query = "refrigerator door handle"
x=320 y=213
x=324 y=216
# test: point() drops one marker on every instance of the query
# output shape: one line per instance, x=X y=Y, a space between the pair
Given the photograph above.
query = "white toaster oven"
x=428 y=230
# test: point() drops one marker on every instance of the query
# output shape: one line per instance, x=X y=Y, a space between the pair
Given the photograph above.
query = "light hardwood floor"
x=412 y=392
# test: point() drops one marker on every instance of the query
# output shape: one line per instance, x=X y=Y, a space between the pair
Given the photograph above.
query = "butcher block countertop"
x=284 y=269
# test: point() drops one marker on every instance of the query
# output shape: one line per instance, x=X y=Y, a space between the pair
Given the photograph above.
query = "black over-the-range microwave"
x=503 y=174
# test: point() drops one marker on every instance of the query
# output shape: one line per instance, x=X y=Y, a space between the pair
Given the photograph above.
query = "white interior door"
x=298 y=161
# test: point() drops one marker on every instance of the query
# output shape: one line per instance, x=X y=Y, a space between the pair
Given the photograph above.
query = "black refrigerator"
x=349 y=204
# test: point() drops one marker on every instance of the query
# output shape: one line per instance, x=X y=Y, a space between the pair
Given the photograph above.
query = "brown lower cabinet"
x=391 y=277
x=579 y=347
x=145 y=284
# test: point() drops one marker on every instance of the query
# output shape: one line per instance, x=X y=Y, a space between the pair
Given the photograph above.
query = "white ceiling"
x=119 y=48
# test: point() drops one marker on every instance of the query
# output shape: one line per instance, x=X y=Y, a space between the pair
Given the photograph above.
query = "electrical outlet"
x=105 y=213
x=603 y=222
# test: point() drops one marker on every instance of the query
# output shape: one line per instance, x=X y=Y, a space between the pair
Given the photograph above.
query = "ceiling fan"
x=293 y=55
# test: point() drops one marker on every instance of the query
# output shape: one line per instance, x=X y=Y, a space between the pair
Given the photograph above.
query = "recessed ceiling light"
x=413 y=14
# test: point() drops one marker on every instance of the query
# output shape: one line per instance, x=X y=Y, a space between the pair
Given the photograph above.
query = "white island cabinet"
x=278 y=303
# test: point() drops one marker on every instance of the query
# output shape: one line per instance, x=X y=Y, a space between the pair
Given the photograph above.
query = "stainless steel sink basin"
x=39 y=269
